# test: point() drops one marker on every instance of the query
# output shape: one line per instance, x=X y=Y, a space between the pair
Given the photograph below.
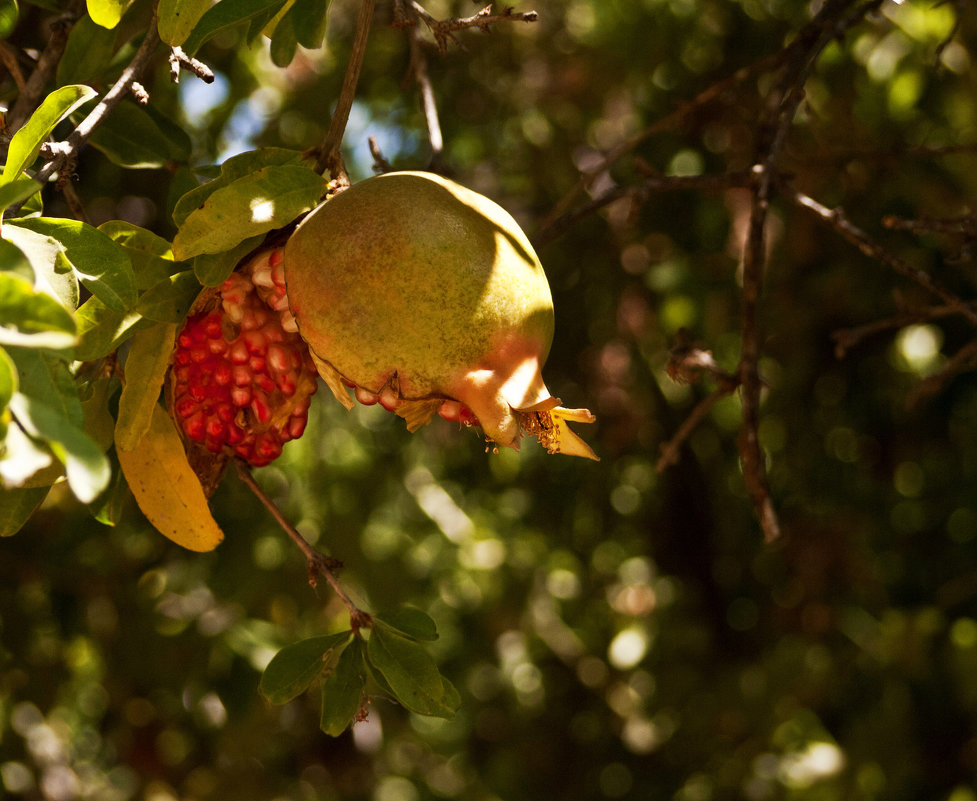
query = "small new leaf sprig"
x=386 y=658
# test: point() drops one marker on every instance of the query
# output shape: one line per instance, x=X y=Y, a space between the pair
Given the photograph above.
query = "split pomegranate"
x=242 y=376
x=427 y=297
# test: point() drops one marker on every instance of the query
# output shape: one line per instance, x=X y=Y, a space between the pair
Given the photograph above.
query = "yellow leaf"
x=149 y=359
x=166 y=488
x=552 y=432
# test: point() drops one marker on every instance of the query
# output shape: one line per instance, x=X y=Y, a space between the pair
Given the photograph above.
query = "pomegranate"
x=424 y=296
x=242 y=378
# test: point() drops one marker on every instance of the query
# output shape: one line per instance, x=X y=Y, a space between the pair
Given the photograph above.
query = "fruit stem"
x=319 y=563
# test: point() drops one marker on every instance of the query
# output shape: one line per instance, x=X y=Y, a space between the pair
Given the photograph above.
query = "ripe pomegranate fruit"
x=426 y=297
x=242 y=377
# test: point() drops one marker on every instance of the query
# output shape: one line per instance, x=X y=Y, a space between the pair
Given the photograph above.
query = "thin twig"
x=329 y=157
x=847 y=338
x=442 y=29
x=418 y=68
x=713 y=93
x=179 y=60
x=837 y=220
x=963 y=361
x=658 y=183
x=319 y=563
x=9 y=58
x=380 y=164
x=65 y=152
x=671 y=450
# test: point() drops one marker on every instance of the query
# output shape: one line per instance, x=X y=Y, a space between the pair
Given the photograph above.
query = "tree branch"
x=64 y=152
x=329 y=158
x=319 y=563
x=442 y=29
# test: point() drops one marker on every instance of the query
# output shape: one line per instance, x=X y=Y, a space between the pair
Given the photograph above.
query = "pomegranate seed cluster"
x=243 y=377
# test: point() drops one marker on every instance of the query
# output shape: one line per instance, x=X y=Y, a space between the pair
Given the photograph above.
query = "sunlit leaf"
x=296 y=666
x=269 y=198
x=223 y=15
x=16 y=191
x=99 y=422
x=86 y=467
x=100 y=264
x=342 y=691
x=169 y=300
x=101 y=330
x=25 y=463
x=26 y=143
x=150 y=254
x=166 y=488
x=32 y=319
x=178 y=17
x=17 y=505
x=235 y=167
x=145 y=368
x=107 y=13
x=45 y=255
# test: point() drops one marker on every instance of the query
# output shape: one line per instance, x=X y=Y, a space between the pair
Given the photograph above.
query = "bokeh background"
x=615 y=632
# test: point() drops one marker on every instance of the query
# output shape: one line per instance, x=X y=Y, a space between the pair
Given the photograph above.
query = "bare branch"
x=179 y=60
x=963 y=361
x=418 y=67
x=380 y=164
x=442 y=29
x=652 y=184
x=837 y=220
x=329 y=158
x=319 y=563
x=847 y=338
x=66 y=151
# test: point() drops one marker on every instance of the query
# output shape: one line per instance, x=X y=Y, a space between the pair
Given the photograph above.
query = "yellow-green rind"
x=413 y=281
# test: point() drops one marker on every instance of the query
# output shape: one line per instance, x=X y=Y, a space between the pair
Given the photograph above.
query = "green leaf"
x=102 y=265
x=46 y=257
x=87 y=54
x=342 y=691
x=284 y=41
x=178 y=17
x=9 y=384
x=107 y=13
x=150 y=254
x=145 y=369
x=9 y=14
x=32 y=319
x=17 y=191
x=212 y=269
x=14 y=262
x=48 y=376
x=17 y=505
x=140 y=138
x=409 y=622
x=270 y=198
x=26 y=143
x=296 y=666
x=101 y=330
x=112 y=504
x=99 y=422
x=223 y=15
x=235 y=167
x=309 y=22
x=410 y=672
x=170 y=299
x=86 y=467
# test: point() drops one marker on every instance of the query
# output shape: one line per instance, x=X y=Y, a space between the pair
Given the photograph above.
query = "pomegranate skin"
x=425 y=295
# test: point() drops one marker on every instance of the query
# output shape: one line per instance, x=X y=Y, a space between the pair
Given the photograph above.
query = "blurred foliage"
x=614 y=632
